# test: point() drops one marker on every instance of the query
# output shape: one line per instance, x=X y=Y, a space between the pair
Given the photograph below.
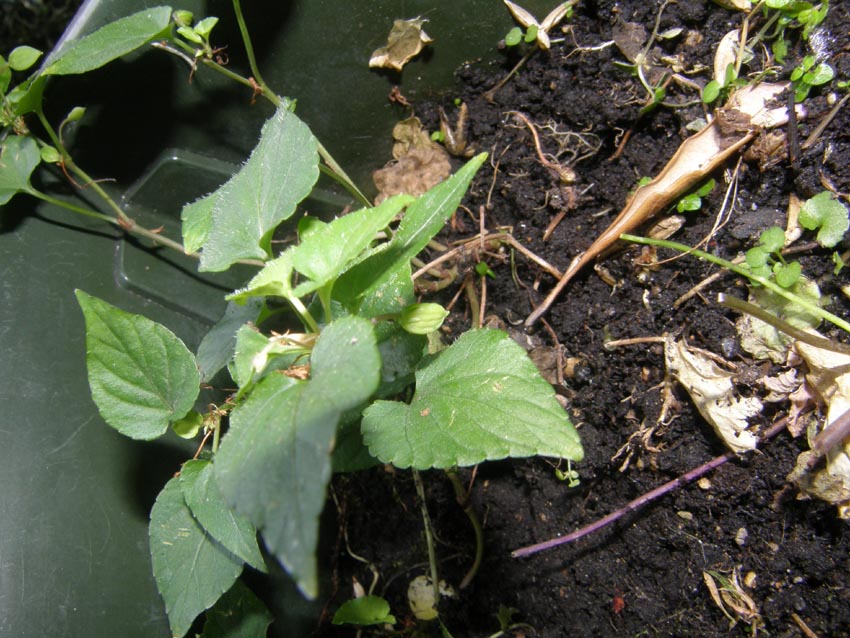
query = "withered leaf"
x=405 y=42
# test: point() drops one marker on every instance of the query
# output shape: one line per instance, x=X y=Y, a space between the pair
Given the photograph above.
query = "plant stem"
x=744 y=272
x=73 y=207
x=335 y=169
x=463 y=500
x=781 y=325
x=249 y=48
x=645 y=499
x=429 y=536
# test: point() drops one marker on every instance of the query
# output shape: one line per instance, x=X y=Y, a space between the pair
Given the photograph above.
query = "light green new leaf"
x=329 y=249
x=366 y=610
x=480 y=399
x=23 y=57
x=18 y=158
x=826 y=213
x=110 y=42
x=422 y=220
x=280 y=172
x=141 y=375
x=274 y=280
x=233 y=531
x=196 y=219
x=191 y=569
x=237 y=614
x=218 y=345
x=274 y=463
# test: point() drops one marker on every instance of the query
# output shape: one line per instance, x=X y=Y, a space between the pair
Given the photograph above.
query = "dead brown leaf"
x=405 y=41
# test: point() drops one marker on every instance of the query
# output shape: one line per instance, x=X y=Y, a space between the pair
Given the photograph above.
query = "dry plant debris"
x=405 y=41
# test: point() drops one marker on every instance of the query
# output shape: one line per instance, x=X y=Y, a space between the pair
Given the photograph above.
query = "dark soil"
x=644 y=575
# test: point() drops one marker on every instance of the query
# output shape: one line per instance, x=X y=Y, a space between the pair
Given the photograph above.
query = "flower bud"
x=422 y=318
x=183 y=18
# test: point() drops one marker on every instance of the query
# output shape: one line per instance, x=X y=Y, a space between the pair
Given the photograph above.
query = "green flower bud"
x=422 y=318
x=183 y=18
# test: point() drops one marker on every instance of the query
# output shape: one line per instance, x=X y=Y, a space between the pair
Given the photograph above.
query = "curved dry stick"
x=733 y=127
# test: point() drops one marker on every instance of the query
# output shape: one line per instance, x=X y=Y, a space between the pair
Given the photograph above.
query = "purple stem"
x=644 y=499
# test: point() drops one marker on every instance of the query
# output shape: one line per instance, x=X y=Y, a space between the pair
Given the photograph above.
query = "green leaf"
x=514 y=37
x=772 y=239
x=233 y=531
x=191 y=569
x=280 y=172
x=711 y=92
x=18 y=158
x=756 y=257
x=110 y=42
x=205 y=26
x=141 y=375
x=190 y=35
x=189 y=426
x=821 y=74
x=50 y=155
x=237 y=614
x=364 y=611
x=689 y=203
x=480 y=399
x=274 y=463
x=826 y=213
x=423 y=219
x=23 y=57
x=787 y=274
x=328 y=250
x=197 y=222
x=219 y=344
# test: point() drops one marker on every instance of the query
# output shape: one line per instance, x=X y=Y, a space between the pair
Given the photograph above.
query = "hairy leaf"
x=274 y=463
x=196 y=219
x=233 y=531
x=423 y=219
x=109 y=42
x=280 y=172
x=18 y=158
x=191 y=569
x=141 y=375
x=480 y=399
x=237 y=614
x=218 y=345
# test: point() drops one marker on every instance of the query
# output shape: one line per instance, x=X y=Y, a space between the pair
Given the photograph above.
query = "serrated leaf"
x=237 y=614
x=233 y=531
x=142 y=376
x=828 y=214
x=18 y=158
x=480 y=399
x=196 y=219
x=328 y=250
x=219 y=344
x=110 y=42
x=422 y=220
x=364 y=611
x=191 y=569
x=280 y=172
x=274 y=463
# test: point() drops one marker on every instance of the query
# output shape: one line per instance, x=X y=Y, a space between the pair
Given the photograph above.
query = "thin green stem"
x=744 y=272
x=302 y=312
x=463 y=500
x=429 y=536
x=73 y=207
x=246 y=41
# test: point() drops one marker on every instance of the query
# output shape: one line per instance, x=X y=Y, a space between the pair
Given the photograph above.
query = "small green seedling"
x=714 y=91
x=535 y=31
x=808 y=75
x=693 y=201
x=569 y=475
x=826 y=214
x=364 y=611
x=766 y=260
x=484 y=270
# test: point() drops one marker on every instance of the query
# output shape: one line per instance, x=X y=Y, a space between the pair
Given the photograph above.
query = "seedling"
x=809 y=74
x=693 y=201
x=765 y=259
x=306 y=402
